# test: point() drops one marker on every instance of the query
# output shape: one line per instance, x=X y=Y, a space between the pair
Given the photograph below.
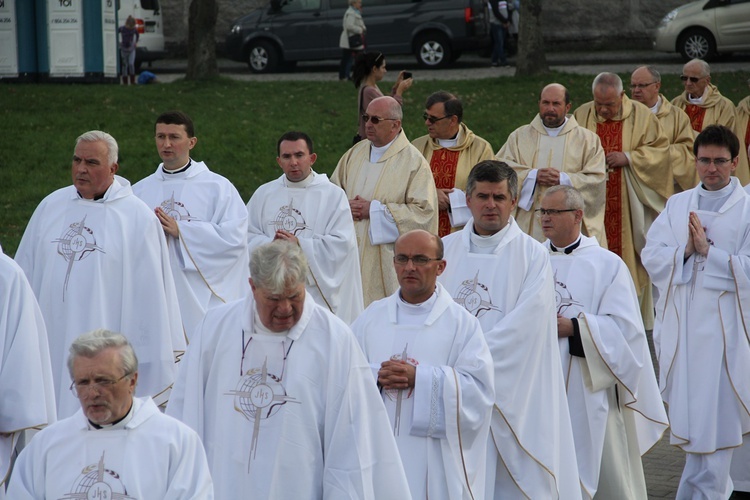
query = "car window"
x=288 y=6
x=150 y=4
x=339 y=4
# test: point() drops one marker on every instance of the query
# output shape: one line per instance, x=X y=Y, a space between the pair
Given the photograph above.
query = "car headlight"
x=236 y=29
x=669 y=18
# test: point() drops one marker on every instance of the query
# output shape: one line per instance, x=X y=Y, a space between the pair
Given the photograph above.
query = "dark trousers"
x=347 y=61
x=498 y=33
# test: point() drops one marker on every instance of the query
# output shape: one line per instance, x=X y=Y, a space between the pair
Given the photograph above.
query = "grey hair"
x=352 y=2
x=92 y=343
x=607 y=80
x=703 y=65
x=278 y=265
x=573 y=198
x=651 y=71
x=98 y=135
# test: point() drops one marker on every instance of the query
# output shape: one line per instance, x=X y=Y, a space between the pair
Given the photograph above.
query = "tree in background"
x=531 y=59
x=202 y=40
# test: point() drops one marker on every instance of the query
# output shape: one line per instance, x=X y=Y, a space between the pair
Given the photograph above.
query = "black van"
x=287 y=31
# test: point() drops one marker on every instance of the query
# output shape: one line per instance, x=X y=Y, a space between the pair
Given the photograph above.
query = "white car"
x=705 y=29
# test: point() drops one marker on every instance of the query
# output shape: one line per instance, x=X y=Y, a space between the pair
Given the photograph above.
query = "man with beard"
x=552 y=150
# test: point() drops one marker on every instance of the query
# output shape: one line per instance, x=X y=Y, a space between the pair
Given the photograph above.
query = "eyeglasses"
x=634 y=86
x=693 y=79
x=100 y=384
x=719 y=162
x=552 y=211
x=418 y=260
x=375 y=119
x=434 y=119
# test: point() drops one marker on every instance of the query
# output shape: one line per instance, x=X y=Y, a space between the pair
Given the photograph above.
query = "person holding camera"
x=352 y=40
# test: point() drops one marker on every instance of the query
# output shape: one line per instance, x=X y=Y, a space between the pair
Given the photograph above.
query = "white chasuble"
x=319 y=216
x=27 y=395
x=594 y=285
x=152 y=456
x=511 y=292
x=442 y=424
x=209 y=260
x=700 y=335
x=293 y=415
x=103 y=264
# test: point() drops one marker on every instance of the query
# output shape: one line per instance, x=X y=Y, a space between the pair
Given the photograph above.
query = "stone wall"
x=569 y=23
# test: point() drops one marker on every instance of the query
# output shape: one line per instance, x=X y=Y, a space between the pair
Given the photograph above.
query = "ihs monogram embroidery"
x=75 y=244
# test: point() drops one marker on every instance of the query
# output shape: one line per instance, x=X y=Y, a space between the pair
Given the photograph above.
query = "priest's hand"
x=444 y=203
x=286 y=236
x=548 y=177
x=168 y=223
x=360 y=208
x=697 y=238
x=564 y=327
x=397 y=374
x=617 y=159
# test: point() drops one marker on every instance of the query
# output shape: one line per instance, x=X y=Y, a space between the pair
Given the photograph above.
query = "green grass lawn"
x=237 y=125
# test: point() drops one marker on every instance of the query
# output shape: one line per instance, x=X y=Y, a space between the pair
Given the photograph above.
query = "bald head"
x=554 y=104
x=418 y=259
x=388 y=113
x=645 y=84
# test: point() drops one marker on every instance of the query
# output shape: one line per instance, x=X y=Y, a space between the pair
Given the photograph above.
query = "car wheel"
x=697 y=44
x=262 y=57
x=433 y=50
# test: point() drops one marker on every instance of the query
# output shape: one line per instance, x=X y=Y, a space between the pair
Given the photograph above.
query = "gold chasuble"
x=636 y=193
x=443 y=165
x=715 y=109
x=451 y=166
x=676 y=125
x=610 y=133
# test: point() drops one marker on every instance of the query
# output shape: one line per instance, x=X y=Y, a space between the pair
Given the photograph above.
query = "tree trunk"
x=531 y=59
x=202 y=40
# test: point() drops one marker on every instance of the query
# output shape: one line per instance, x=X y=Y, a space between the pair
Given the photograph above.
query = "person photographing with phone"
x=369 y=69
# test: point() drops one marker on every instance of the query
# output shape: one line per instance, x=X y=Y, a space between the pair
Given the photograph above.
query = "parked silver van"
x=148 y=22
x=287 y=31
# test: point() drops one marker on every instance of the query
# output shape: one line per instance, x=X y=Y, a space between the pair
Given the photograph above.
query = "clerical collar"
x=491 y=240
x=427 y=304
x=179 y=170
x=414 y=314
x=98 y=197
x=655 y=108
x=300 y=184
x=259 y=327
x=721 y=193
x=116 y=425
x=376 y=153
x=554 y=132
x=568 y=249
x=696 y=100
x=449 y=143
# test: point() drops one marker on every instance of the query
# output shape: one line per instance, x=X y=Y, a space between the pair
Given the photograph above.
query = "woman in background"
x=352 y=39
x=128 y=41
x=369 y=69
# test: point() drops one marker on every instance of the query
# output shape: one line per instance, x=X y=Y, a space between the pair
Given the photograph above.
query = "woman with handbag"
x=352 y=39
x=369 y=69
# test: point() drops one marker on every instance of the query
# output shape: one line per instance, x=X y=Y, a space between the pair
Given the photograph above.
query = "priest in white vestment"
x=429 y=358
x=391 y=191
x=698 y=256
x=554 y=150
x=204 y=220
x=614 y=401
x=282 y=396
x=27 y=395
x=116 y=446
x=96 y=257
x=304 y=207
x=503 y=277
